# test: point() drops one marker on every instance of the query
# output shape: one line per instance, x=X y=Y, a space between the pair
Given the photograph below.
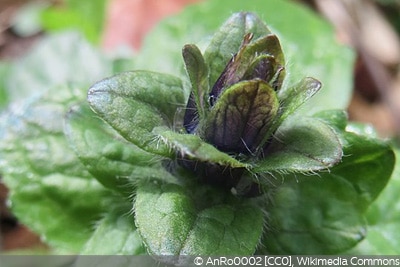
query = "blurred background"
x=370 y=27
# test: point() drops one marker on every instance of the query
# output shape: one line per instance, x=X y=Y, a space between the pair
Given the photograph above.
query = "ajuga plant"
x=220 y=162
x=232 y=156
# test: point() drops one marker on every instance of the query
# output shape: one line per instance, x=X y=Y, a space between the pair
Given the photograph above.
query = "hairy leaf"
x=198 y=75
x=192 y=147
x=324 y=214
x=134 y=103
x=172 y=220
x=115 y=234
x=295 y=96
x=301 y=145
x=50 y=190
x=106 y=155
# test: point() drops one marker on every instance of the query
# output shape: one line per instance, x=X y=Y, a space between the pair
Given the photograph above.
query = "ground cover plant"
x=230 y=138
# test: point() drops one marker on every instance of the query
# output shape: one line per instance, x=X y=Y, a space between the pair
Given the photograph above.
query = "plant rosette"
x=221 y=161
x=235 y=169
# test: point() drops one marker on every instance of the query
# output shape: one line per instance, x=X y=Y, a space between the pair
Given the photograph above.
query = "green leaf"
x=193 y=147
x=311 y=50
x=105 y=154
x=49 y=188
x=301 y=144
x=198 y=75
x=115 y=234
x=135 y=103
x=383 y=220
x=336 y=118
x=197 y=104
x=367 y=163
x=324 y=214
x=173 y=220
x=314 y=215
x=294 y=97
x=385 y=207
